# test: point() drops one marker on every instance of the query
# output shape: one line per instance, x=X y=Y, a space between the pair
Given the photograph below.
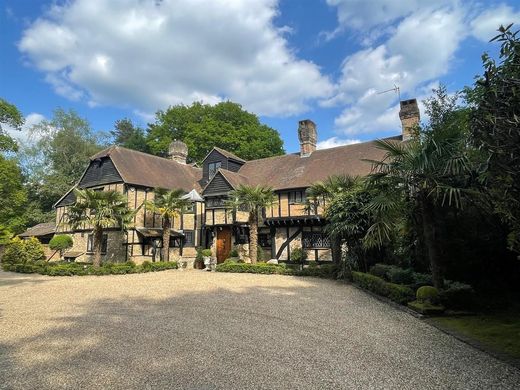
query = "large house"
x=286 y=224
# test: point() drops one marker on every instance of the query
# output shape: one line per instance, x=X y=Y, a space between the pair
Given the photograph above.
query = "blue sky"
x=285 y=60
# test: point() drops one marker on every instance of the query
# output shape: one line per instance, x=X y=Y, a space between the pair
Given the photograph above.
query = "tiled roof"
x=293 y=171
x=42 y=229
x=151 y=171
x=234 y=178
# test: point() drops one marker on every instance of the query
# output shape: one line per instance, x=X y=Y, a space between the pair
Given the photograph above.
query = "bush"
x=298 y=255
x=258 y=268
x=420 y=280
x=427 y=294
x=381 y=270
x=401 y=276
x=320 y=271
x=425 y=307
x=23 y=251
x=458 y=296
x=395 y=292
x=60 y=242
x=206 y=252
x=234 y=252
x=232 y=260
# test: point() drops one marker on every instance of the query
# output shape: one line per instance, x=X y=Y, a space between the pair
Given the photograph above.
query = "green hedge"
x=395 y=292
x=70 y=269
x=323 y=271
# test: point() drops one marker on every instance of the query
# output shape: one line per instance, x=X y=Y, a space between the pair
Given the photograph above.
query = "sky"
x=284 y=60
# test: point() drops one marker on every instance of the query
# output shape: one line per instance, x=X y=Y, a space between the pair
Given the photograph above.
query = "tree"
x=495 y=129
x=253 y=200
x=202 y=126
x=128 y=135
x=433 y=171
x=99 y=210
x=61 y=242
x=55 y=162
x=168 y=204
x=13 y=197
x=11 y=116
x=326 y=193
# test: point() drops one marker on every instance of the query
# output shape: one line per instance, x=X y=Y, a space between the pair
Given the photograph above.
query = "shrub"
x=381 y=270
x=320 y=271
x=395 y=292
x=146 y=264
x=425 y=307
x=420 y=280
x=258 y=268
x=60 y=242
x=23 y=251
x=206 y=252
x=234 y=252
x=458 y=296
x=232 y=260
x=298 y=255
x=130 y=263
x=427 y=294
x=401 y=276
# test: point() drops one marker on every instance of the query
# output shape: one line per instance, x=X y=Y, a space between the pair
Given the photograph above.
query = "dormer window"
x=213 y=168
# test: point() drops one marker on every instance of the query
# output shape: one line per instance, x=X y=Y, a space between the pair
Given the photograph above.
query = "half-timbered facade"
x=286 y=225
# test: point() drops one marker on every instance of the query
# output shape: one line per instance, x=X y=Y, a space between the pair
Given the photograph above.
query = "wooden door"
x=223 y=243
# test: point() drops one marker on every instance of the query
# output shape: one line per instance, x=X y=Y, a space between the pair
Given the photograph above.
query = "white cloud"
x=485 y=25
x=335 y=141
x=419 y=50
x=148 y=54
x=24 y=135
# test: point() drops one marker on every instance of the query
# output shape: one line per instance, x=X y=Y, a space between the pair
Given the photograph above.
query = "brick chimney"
x=410 y=117
x=178 y=151
x=307 y=136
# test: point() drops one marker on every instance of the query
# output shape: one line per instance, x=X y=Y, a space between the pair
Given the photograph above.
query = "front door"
x=223 y=243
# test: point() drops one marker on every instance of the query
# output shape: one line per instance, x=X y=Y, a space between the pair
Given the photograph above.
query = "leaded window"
x=189 y=238
x=315 y=240
x=264 y=240
x=297 y=197
x=90 y=243
x=213 y=168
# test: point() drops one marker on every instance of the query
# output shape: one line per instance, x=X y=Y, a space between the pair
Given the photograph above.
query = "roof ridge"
x=230 y=154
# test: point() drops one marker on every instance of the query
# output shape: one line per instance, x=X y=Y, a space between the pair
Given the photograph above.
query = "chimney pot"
x=410 y=117
x=308 y=136
x=178 y=151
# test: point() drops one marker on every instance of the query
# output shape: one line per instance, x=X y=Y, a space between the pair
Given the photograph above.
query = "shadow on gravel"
x=253 y=338
x=13 y=278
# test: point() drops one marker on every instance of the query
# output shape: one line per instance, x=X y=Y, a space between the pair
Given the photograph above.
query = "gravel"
x=200 y=330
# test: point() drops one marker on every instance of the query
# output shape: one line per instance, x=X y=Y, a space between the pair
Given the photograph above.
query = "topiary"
x=427 y=294
x=14 y=252
x=61 y=242
x=34 y=250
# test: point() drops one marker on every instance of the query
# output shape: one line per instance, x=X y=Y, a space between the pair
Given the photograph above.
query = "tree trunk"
x=253 y=238
x=166 y=239
x=431 y=243
x=98 y=245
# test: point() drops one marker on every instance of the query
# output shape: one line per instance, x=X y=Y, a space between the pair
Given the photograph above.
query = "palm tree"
x=324 y=192
x=99 y=210
x=253 y=200
x=431 y=171
x=168 y=204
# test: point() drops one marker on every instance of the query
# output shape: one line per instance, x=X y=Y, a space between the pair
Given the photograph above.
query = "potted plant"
x=199 y=259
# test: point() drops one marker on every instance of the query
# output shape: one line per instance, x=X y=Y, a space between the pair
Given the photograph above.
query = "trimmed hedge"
x=395 y=292
x=321 y=271
x=70 y=269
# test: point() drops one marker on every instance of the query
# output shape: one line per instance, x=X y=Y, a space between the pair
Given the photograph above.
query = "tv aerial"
x=394 y=89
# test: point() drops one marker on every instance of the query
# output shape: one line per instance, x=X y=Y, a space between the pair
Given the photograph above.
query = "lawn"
x=499 y=331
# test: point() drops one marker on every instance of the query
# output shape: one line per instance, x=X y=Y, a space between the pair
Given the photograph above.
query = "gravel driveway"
x=198 y=330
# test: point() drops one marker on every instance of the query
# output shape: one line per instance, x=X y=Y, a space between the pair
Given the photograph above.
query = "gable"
x=100 y=171
x=66 y=200
x=217 y=186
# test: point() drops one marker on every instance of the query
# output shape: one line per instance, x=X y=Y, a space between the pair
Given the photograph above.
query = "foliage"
x=395 y=292
x=61 y=242
x=203 y=126
x=328 y=271
x=11 y=116
x=19 y=251
x=128 y=135
x=433 y=171
x=206 y=253
x=425 y=307
x=252 y=199
x=401 y=276
x=233 y=252
x=13 y=196
x=427 y=294
x=57 y=159
x=70 y=269
x=258 y=268
x=298 y=255
x=458 y=296
x=495 y=129
x=381 y=270
x=99 y=210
